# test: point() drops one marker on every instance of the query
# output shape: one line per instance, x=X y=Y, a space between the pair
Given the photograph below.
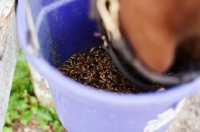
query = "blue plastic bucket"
x=64 y=28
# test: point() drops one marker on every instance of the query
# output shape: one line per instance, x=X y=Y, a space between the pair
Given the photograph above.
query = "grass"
x=23 y=104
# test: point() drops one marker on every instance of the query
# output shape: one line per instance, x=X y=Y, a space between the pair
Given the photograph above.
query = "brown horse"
x=155 y=29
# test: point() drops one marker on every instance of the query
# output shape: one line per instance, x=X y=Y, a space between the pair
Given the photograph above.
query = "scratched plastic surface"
x=64 y=28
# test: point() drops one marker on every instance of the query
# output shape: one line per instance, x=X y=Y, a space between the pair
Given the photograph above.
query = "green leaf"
x=14 y=97
x=10 y=116
x=33 y=100
x=7 y=129
x=22 y=78
x=14 y=115
x=57 y=126
x=42 y=123
x=26 y=116
x=21 y=105
x=25 y=93
x=8 y=119
x=44 y=114
x=52 y=110
x=34 y=108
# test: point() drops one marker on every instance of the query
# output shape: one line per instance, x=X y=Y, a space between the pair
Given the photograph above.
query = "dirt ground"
x=188 y=119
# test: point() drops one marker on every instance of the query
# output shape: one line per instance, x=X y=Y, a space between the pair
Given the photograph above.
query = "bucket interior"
x=64 y=28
